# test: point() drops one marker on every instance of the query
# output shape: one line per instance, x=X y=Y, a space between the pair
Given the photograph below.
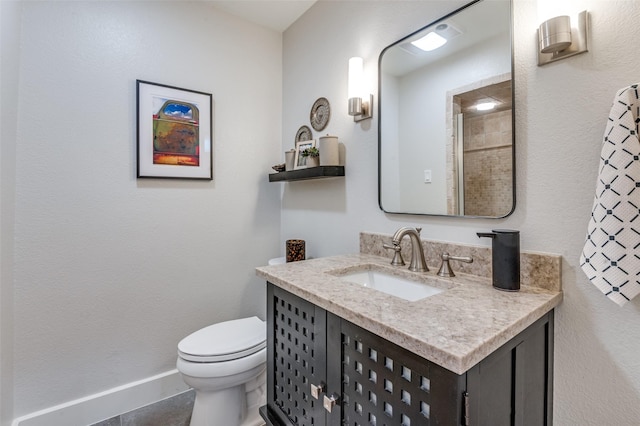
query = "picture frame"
x=300 y=162
x=174 y=132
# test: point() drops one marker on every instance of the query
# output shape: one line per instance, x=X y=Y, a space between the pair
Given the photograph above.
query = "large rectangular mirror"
x=446 y=141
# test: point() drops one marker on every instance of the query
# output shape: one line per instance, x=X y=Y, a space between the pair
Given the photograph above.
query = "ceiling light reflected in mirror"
x=430 y=42
x=485 y=106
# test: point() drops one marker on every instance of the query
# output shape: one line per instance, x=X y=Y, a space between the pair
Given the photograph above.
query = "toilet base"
x=222 y=407
x=234 y=405
x=256 y=397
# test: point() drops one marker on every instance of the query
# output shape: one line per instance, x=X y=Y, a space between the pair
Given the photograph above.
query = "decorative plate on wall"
x=303 y=134
x=320 y=114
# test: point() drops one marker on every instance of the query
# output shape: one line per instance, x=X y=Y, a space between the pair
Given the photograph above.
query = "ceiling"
x=275 y=14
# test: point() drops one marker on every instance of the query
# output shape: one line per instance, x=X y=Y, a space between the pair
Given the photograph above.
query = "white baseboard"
x=104 y=405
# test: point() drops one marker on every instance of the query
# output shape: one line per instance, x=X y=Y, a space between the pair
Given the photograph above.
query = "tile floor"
x=173 y=411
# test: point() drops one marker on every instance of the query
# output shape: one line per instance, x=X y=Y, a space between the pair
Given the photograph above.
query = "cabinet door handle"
x=316 y=390
x=330 y=401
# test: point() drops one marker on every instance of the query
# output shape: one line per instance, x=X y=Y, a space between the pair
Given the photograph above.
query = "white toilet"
x=225 y=364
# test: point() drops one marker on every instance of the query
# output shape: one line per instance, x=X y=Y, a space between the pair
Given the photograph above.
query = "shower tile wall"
x=487 y=164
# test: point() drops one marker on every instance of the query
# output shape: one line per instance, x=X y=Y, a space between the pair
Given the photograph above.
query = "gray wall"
x=561 y=112
x=89 y=290
x=108 y=272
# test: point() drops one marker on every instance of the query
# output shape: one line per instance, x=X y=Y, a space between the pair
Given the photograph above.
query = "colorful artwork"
x=176 y=133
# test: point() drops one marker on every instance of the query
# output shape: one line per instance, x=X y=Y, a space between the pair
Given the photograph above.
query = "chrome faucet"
x=418 y=264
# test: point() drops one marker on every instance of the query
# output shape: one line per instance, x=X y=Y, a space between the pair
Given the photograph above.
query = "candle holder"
x=295 y=250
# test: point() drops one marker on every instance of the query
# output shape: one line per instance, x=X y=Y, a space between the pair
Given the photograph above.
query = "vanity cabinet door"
x=381 y=383
x=296 y=360
x=359 y=377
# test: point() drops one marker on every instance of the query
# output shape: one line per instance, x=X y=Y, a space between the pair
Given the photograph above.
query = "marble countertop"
x=455 y=329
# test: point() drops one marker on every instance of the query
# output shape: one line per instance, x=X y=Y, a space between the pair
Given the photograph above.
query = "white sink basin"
x=391 y=284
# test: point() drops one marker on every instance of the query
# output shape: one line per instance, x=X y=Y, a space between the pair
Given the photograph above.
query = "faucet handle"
x=397 y=256
x=445 y=268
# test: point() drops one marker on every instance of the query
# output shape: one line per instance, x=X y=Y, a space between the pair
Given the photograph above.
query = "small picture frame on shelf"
x=299 y=161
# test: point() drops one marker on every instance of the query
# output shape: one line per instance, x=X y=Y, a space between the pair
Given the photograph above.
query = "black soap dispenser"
x=505 y=256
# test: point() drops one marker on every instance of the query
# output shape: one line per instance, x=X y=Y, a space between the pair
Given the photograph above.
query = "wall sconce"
x=359 y=108
x=559 y=39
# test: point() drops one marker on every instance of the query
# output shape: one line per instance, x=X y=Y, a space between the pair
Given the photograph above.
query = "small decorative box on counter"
x=295 y=250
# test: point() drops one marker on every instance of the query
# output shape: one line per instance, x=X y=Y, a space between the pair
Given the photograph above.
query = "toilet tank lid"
x=227 y=337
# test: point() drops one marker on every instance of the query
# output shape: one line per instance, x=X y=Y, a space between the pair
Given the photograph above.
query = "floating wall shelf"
x=306 y=174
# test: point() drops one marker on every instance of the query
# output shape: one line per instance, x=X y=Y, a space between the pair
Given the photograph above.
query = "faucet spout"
x=418 y=263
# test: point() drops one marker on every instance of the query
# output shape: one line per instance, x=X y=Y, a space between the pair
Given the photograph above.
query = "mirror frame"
x=513 y=116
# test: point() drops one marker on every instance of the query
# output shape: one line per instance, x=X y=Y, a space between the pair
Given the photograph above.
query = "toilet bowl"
x=225 y=364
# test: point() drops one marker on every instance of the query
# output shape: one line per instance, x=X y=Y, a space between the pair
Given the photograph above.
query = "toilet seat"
x=219 y=372
x=225 y=341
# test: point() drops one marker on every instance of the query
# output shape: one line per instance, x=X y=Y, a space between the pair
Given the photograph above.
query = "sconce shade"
x=360 y=104
x=555 y=34
x=355 y=78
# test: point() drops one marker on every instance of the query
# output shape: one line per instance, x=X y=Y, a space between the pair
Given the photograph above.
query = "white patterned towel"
x=611 y=255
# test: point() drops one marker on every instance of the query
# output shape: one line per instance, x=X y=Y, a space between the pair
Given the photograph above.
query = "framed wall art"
x=300 y=162
x=174 y=132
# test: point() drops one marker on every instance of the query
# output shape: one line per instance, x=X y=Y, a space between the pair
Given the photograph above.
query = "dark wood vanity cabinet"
x=324 y=370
